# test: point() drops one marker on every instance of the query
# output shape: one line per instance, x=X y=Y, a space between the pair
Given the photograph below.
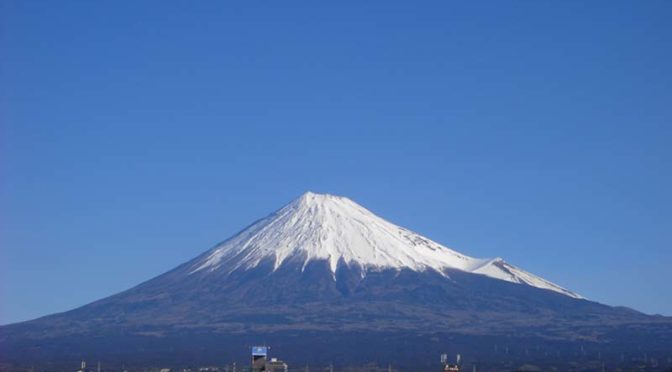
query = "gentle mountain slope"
x=324 y=280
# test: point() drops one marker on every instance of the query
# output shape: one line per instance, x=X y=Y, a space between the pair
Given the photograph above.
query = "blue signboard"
x=259 y=350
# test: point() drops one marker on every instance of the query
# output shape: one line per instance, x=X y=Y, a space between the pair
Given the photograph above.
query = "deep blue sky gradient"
x=136 y=135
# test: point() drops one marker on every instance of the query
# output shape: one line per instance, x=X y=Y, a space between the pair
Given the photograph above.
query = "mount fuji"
x=324 y=280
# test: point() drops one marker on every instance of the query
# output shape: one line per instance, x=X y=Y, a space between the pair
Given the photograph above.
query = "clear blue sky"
x=135 y=135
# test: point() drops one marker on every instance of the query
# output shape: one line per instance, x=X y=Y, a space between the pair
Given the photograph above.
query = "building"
x=259 y=355
x=275 y=365
x=447 y=367
x=260 y=361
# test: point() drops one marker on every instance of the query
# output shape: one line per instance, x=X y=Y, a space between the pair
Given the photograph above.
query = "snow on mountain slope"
x=500 y=269
x=333 y=228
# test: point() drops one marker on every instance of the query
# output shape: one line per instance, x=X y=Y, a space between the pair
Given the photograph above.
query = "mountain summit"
x=335 y=229
x=324 y=280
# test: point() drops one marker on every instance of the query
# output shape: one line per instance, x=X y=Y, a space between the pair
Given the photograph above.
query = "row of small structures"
x=261 y=362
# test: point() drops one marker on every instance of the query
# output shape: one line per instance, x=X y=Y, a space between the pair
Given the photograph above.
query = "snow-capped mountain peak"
x=336 y=229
